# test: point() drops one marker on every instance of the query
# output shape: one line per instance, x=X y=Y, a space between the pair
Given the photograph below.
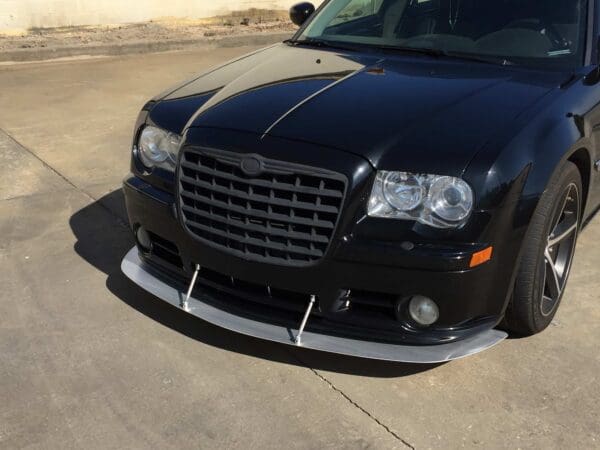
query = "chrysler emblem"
x=251 y=166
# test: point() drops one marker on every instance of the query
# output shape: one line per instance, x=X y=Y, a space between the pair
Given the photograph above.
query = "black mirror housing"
x=300 y=12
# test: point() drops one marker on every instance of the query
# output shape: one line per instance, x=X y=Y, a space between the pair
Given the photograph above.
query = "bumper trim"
x=134 y=268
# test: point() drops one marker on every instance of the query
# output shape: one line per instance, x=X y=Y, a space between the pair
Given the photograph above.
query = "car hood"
x=400 y=112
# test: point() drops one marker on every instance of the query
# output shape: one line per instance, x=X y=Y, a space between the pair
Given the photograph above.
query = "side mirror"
x=300 y=12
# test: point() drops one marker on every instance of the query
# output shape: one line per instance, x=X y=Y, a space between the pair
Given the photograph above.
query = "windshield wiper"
x=496 y=60
x=437 y=53
x=319 y=43
x=423 y=51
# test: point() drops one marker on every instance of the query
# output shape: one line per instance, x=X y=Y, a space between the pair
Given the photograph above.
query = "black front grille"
x=285 y=214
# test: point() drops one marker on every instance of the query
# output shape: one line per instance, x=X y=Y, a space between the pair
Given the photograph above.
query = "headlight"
x=438 y=201
x=158 y=148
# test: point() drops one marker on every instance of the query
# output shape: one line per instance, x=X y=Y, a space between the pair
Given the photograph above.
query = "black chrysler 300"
x=401 y=180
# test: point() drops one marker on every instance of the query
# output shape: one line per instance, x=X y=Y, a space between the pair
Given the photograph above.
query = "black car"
x=401 y=180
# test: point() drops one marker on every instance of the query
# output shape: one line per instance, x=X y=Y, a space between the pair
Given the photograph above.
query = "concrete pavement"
x=88 y=360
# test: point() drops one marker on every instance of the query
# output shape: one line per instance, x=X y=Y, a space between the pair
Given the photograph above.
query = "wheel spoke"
x=560 y=233
x=565 y=214
x=552 y=278
x=547 y=305
x=563 y=208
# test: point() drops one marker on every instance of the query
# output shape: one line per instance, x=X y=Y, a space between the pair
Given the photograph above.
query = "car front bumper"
x=217 y=309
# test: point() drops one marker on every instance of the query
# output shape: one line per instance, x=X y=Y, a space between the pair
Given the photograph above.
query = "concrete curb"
x=42 y=54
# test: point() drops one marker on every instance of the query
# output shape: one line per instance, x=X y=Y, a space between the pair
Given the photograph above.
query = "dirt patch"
x=254 y=21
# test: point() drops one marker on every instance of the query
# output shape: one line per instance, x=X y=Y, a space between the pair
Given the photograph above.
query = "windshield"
x=549 y=32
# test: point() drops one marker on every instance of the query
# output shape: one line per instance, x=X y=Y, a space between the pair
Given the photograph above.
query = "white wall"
x=20 y=14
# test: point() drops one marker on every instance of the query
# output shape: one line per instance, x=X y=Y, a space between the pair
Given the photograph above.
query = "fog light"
x=143 y=239
x=423 y=310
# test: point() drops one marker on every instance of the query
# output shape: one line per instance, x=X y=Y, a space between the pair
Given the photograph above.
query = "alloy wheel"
x=560 y=249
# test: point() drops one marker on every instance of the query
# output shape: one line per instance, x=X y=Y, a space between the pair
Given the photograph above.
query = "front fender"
x=519 y=170
x=513 y=177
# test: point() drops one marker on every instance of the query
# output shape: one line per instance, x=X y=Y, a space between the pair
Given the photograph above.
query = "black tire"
x=533 y=304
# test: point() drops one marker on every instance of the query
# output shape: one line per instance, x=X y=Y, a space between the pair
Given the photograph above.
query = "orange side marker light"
x=481 y=257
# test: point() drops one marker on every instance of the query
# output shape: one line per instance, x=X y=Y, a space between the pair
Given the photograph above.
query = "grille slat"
x=259 y=214
x=312 y=237
x=285 y=213
x=253 y=241
x=262 y=198
x=265 y=183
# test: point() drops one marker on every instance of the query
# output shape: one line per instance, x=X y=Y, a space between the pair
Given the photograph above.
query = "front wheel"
x=547 y=255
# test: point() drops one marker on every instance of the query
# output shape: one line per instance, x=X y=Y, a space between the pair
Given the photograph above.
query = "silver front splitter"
x=137 y=271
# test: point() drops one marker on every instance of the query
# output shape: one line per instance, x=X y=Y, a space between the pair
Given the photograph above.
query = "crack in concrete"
x=353 y=403
x=34 y=194
x=64 y=178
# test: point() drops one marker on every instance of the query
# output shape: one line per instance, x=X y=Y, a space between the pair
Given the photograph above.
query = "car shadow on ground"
x=103 y=239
